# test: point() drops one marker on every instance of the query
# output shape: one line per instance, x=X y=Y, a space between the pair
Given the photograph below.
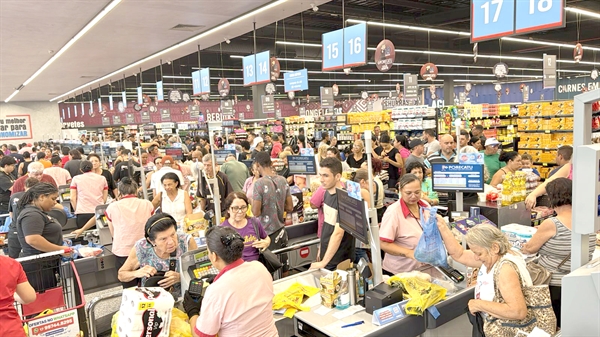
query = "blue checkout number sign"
x=492 y=19
x=256 y=68
x=196 y=87
x=204 y=81
x=344 y=48
x=535 y=15
x=295 y=80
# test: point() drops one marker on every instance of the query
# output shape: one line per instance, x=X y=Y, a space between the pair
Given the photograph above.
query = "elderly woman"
x=552 y=239
x=491 y=252
x=153 y=254
x=240 y=312
x=401 y=228
x=236 y=217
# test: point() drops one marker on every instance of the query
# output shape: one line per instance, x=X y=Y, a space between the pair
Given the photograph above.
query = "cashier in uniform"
x=228 y=309
x=401 y=227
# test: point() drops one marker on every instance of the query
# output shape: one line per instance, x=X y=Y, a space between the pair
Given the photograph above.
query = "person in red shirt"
x=277 y=147
x=13 y=281
x=35 y=170
x=65 y=158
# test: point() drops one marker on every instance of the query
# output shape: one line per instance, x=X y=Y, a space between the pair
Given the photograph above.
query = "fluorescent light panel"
x=71 y=42
x=174 y=47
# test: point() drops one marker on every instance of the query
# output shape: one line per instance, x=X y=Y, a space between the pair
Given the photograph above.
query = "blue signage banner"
x=139 y=95
x=344 y=48
x=535 y=15
x=204 y=81
x=196 y=86
x=110 y=104
x=221 y=155
x=302 y=164
x=492 y=19
x=567 y=88
x=123 y=98
x=263 y=71
x=160 y=93
x=457 y=177
x=355 y=48
x=295 y=80
x=333 y=50
x=248 y=69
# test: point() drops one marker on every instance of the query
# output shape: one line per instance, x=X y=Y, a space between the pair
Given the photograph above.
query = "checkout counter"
x=452 y=320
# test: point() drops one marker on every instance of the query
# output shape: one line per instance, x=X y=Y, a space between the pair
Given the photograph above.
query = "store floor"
x=105 y=309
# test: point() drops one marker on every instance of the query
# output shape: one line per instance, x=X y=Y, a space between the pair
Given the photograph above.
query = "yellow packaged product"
x=292 y=298
x=330 y=288
x=421 y=293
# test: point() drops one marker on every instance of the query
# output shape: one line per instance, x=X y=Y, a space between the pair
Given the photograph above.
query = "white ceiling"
x=135 y=29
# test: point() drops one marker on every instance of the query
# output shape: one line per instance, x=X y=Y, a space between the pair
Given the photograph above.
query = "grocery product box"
x=518 y=235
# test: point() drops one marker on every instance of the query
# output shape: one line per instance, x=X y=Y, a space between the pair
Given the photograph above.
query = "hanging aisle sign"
x=139 y=95
x=411 y=87
x=123 y=98
x=493 y=19
x=327 y=101
x=549 y=71
x=196 y=87
x=204 y=81
x=160 y=94
x=345 y=48
x=296 y=80
x=256 y=68
x=110 y=104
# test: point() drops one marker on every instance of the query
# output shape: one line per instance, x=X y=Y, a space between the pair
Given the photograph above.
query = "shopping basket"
x=58 y=309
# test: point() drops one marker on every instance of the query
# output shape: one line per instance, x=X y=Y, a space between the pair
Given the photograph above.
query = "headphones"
x=149 y=226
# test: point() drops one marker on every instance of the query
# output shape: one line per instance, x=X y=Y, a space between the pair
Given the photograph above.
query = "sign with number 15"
x=344 y=48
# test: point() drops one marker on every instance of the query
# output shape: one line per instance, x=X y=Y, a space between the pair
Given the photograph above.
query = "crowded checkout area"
x=432 y=299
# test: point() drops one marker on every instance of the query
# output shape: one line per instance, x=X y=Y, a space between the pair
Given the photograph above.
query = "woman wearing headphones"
x=230 y=309
x=153 y=255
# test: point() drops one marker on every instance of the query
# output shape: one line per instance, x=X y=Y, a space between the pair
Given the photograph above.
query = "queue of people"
x=148 y=233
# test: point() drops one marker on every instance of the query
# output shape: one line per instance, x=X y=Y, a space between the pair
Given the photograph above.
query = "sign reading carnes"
x=73 y=125
x=568 y=88
x=578 y=87
x=15 y=127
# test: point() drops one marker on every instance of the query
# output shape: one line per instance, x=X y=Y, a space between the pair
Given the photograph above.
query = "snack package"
x=330 y=288
x=292 y=298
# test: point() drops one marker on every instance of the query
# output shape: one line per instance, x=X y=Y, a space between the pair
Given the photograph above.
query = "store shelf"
x=538 y=148
x=544 y=117
x=500 y=126
x=546 y=131
x=411 y=117
x=543 y=164
x=496 y=116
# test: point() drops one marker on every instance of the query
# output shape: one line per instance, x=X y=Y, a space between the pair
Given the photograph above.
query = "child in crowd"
x=526 y=162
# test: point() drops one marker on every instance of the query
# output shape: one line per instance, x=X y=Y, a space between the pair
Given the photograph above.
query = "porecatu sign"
x=15 y=127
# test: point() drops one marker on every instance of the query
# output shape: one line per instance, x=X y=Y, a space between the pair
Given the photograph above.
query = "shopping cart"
x=59 y=296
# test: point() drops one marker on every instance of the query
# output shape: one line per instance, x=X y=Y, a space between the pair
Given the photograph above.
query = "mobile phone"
x=451 y=273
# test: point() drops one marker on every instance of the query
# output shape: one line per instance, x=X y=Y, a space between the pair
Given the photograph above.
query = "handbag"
x=539 y=274
x=266 y=256
x=539 y=310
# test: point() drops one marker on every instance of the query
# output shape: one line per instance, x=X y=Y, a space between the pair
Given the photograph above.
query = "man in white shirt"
x=433 y=145
x=60 y=175
x=155 y=183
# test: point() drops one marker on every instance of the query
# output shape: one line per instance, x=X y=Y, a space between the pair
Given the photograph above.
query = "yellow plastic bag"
x=292 y=299
x=421 y=294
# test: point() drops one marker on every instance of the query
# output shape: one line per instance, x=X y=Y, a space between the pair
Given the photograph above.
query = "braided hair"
x=35 y=192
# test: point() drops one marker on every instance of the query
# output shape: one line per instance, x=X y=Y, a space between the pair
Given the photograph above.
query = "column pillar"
x=257 y=92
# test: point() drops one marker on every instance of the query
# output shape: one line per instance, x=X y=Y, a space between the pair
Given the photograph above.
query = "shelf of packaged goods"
x=411 y=117
x=369 y=123
x=595 y=130
x=500 y=126
x=543 y=164
x=396 y=130
x=544 y=117
x=596 y=113
x=496 y=116
x=546 y=131
x=538 y=148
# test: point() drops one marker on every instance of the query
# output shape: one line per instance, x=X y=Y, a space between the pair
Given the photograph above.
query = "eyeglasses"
x=241 y=209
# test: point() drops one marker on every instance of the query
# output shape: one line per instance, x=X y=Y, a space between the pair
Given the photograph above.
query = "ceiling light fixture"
x=582 y=12
x=174 y=47
x=72 y=41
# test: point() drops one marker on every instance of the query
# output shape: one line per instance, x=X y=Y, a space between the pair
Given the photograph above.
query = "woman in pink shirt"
x=229 y=309
x=401 y=228
x=88 y=190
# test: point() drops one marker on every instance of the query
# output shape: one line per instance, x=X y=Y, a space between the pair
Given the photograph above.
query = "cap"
x=491 y=142
x=415 y=142
x=167 y=159
x=257 y=140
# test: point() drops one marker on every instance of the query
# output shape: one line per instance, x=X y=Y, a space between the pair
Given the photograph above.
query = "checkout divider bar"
x=277 y=275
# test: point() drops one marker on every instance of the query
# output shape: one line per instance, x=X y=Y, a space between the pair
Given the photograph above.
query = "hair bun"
x=126 y=180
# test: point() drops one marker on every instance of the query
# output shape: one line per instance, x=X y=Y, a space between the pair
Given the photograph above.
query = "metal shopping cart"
x=59 y=299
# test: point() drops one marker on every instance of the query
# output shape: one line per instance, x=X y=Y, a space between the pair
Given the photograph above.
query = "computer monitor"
x=302 y=164
x=175 y=152
x=453 y=177
x=353 y=216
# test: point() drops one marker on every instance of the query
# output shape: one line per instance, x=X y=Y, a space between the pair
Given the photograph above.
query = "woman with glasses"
x=401 y=227
x=236 y=217
x=239 y=301
x=152 y=255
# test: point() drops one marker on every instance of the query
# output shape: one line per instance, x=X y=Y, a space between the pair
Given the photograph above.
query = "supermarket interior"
x=369 y=167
